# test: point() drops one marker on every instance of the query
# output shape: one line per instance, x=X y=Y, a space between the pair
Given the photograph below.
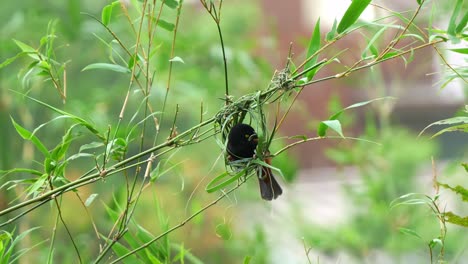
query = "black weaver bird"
x=242 y=142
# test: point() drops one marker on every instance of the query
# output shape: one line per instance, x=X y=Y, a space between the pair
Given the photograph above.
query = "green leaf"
x=456 y=219
x=409 y=232
x=333 y=124
x=32 y=52
x=77 y=119
x=460 y=190
x=156 y=173
x=132 y=60
x=121 y=250
x=314 y=46
x=90 y=199
x=25 y=134
x=322 y=129
x=435 y=241
x=460 y=128
x=352 y=14
x=460 y=50
x=461 y=26
x=80 y=155
x=223 y=231
x=62 y=148
x=177 y=59
x=91 y=145
x=166 y=25
x=214 y=184
x=366 y=102
x=12 y=59
x=106 y=13
x=14 y=242
x=49 y=165
x=20 y=170
x=171 y=3
x=451 y=30
x=370 y=45
x=449 y=121
x=418 y=37
x=38 y=184
x=331 y=35
x=107 y=66
x=247 y=259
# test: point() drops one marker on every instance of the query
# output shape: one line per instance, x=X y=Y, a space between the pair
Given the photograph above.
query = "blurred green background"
x=366 y=177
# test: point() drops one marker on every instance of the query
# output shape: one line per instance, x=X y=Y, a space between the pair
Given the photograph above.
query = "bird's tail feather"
x=269 y=187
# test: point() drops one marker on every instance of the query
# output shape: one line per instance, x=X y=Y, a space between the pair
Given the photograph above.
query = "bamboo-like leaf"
x=171 y=3
x=459 y=50
x=459 y=128
x=436 y=241
x=219 y=181
x=25 y=134
x=456 y=219
x=77 y=119
x=333 y=124
x=166 y=25
x=352 y=14
x=177 y=59
x=90 y=199
x=409 y=232
x=32 y=52
x=461 y=26
x=451 y=30
x=373 y=40
x=11 y=59
x=314 y=46
x=91 y=145
x=38 y=184
x=331 y=35
x=223 y=231
x=107 y=66
x=448 y=121
x=106 y=13
x=20 y=170
x=60 y=150
x=322 y=128
x=460 y=190
x=121 y=250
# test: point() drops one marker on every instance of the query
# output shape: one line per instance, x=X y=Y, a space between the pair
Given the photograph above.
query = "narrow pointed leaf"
x=166 y=25
x=334 y=125
x=25 y=134
x=314 y=46
x=107 y=66
x=451 y=30
x=352 y=14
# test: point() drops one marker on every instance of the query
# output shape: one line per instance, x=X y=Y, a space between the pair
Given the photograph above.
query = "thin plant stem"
x=181 y=224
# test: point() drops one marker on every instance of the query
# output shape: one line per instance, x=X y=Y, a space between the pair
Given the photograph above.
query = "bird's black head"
x=242 y=141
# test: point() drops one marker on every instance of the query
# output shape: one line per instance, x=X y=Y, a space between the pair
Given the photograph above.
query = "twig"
x=145 y=245
x=395 y=41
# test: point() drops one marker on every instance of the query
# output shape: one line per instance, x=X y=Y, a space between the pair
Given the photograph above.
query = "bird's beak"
x=253 y=138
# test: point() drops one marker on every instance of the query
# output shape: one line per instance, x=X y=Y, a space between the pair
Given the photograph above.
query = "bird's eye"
x=246 y=136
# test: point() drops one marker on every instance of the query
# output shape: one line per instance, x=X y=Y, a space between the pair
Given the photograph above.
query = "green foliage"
x=386 y=171
x=333 y=121
x=352 y=14
x=139 y=101
x=9 y=252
